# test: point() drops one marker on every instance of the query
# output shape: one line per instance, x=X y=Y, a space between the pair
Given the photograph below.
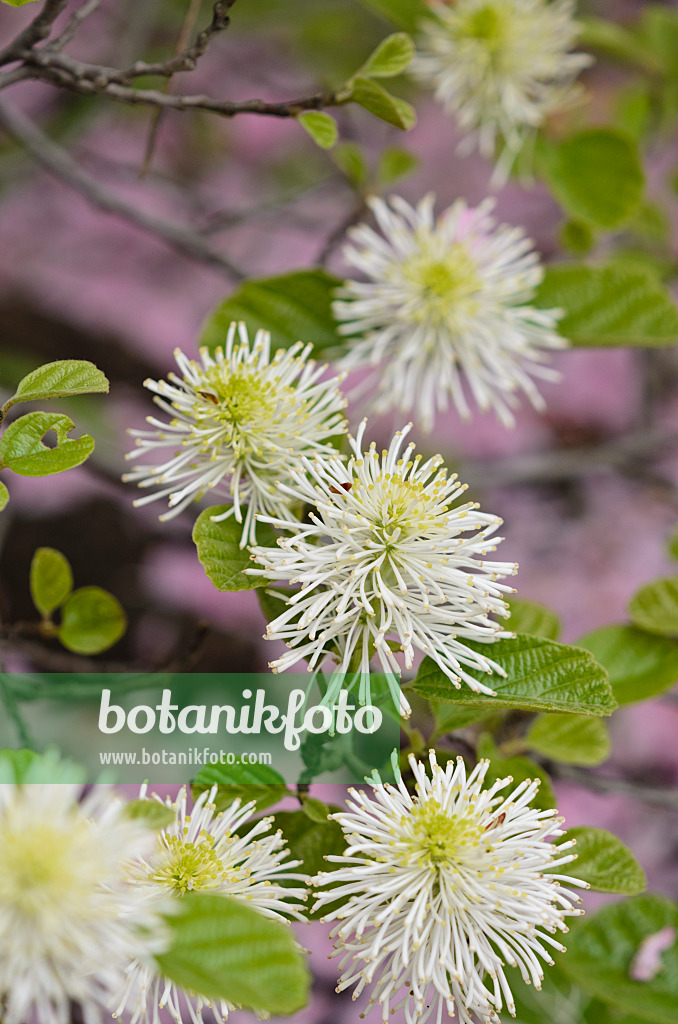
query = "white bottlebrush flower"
x=500 y=66
x=443 y=889
x=201 y=851
x=445 y=306
x=387 y=555
x=240 y=420
x=70 y=922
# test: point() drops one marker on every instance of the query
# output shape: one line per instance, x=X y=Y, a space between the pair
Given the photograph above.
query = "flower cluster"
x=443 y=888
x=445 y=306
x=239 y=421
x=217 y=852
x=500 y=66
x=386 y=554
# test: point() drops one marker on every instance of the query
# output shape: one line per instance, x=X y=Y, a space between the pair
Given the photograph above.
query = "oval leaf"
x=602 y=950
x=92 y=620
x=311 y=842
x=51 y=580
x=640 y=664
x=606 y=863
x=151 y=812
x=613 y=305
x=541 y=675
x=4 y=496
x=60 y=380
x=321 y=127
x=596 y=176
x=655 y=607
x=22 y=449
x=373 y=97
x=224 y=950
x=220 y=554
x=533 y=618
x=293 y=307
x=406 y=14
x=390 y=58
x=246 y=782
x=570 y=739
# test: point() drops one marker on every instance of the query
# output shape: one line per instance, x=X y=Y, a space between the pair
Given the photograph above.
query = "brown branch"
x=58 y=162
x=34 y=33
x=74 y=23
x=661 y=797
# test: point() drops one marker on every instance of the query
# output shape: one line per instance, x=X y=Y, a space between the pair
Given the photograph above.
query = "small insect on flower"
x=501 y=67
x=445 y=308
x=239 y=420
x=441 y=889
x=387 y=558
x=219 y=852
x=70 y=921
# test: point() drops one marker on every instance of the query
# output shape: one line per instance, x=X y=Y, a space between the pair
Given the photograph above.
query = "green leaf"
x=530 y=617
x=350 y=159
x=51 y=580
x=151 y=812
x=570 y=739
x=395 y=163
x=378 y=101
x=449 y=717
x=271 y=605
x=617 y=42
x=18 y=762
x=4 y=496
x=390 y=58
x=92 y=620
x=541 y=675
x=520 y=769
x=576 y=237
x=220 y=554
x=602 y=949
x=316 y=810
x=596 y=176
x=26 y=766
x=22 y=449
x=311 y=841
x=293 y=307
x=18 y=3
x=612 y=305
x=405 y=14
x=672 y=544
x=606 y=863
x=222 y=949
x=655 y=607
x=246 y=782
x=321 y=127
x=659 y=28
x=60 y=380
x=640 y=664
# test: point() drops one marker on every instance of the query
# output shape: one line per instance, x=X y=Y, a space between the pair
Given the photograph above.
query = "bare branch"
x=34 y=33
x=60 y=163
x=661 y=797
x=74 y=23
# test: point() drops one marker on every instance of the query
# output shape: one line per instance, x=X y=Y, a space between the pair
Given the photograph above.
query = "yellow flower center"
x=36 y=867
x=447 y=285
x=189 y=866
x=241 y=397
x=438 y=838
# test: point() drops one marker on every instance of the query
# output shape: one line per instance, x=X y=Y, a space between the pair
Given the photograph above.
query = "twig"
x=613 y=784
x=60 y=163
x=337 y=236
x=34 y=33
x=74 y=23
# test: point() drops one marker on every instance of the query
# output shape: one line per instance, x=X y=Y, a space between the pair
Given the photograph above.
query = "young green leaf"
x=22 y=449
x=395 y=163
x=350 y=159
x=220 y=554
x=655 y=607
x=570 y=739
x=246 y=782
x=576 y=237
x=596 y=176
x=519 y=768
x=321 y=127
x=618 y=304
x=293 y=307
x=378 y=101
x=390 y=58
x=606 y=863
x=18 y=3
x=4 y=496
x=640 y=664
x=60 y=380
x=316 y=810
x=51 y=580
x=602 y=950
x=222 y=949
x=405 y=14
x=541 y=675
x=150 y=812
x=92 y=620
x=533 y=618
